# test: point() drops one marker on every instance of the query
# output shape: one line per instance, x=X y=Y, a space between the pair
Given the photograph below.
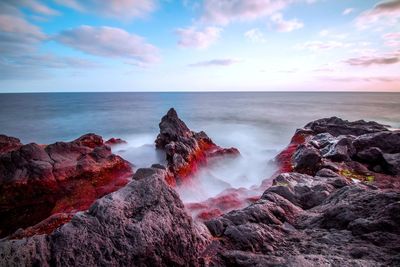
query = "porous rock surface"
x=38 y=182
x=142 y=224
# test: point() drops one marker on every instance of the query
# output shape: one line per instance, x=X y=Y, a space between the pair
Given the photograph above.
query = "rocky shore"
x=334 y=201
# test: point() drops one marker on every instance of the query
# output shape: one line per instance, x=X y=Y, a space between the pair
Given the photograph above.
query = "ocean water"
x=258 y=124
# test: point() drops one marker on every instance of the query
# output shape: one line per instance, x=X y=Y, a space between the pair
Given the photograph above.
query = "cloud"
x=109 y=42
x=369 y=79
x=17 y=36
x=119 y=9
x=347 y=11
x=215 y=62
x=319 y=45
x=392 y=39
x=387 y=12
x=201 y=39
x=255 y=35
x=226 y=11
x=12 y=6
x=285 y=25
x=36 y=66
x=17 y=25
x=332 y=34
x=365 y=61
x=223 y=12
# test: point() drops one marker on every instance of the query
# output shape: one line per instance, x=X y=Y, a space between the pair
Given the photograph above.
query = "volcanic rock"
x=142 y=224
x=115 y=141
x=306 y=221
x=8 y=143
x=361 y=150
x=186 y=150
x=37 y=182
x=337 y=126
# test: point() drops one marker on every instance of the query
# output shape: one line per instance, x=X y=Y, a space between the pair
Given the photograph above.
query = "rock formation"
x=186 y=150
x=335 y=207
x=41 y=187
x=335 y=201
x=8 y=143
x=142 y=224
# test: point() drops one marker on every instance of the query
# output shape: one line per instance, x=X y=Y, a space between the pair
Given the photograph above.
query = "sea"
x=259 y=124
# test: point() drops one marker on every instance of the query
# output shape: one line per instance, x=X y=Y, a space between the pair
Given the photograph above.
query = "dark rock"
x=341 y=149
x=8 y=143
x=39 y=181
x=392 y=163
x=387 y=141
x=115 y=141
x=336 y=126
x=159 y=166
x=327 y=173
x=372 y=155
x=302 y=190
x=351 y=226
x=142 y=224
x=143 y=173
x=186 y=150
x=307 y=159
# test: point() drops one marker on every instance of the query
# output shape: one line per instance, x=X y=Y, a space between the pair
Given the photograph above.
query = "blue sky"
x=208 y=45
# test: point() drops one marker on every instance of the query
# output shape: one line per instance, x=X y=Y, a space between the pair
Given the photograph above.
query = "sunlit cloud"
x=109 y=42
x=392 y=39
x=126 y=9
x=216 y=62
x=283 y=25
x=320 y=45
x=387 y=12
x=201 y=39
x=226 y=11
x=255 y=35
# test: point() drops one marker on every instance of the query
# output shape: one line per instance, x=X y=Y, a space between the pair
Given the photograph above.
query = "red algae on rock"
x=55 y=181
x=284 y=158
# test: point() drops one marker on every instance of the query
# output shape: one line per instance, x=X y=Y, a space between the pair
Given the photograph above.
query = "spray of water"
x=245 y=172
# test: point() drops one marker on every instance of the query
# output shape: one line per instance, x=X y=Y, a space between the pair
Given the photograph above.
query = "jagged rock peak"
x=171 y=127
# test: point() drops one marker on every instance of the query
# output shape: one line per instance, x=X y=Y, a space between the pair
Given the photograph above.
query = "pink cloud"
x=215 y=62
x=120 y=9
x=226 y=11
x=365 y=61
x=255 y=35
x=109 y=42
x=285 y=25
x=319 y=45
x=190 y=37
x=18 y=25
x=392 y=39
x=386 y=12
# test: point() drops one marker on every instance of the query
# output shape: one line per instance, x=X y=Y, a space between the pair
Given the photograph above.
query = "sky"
x=199 y=45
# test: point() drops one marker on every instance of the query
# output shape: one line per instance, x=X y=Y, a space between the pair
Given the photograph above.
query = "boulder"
x=37 y=182
x=306 y=159
x=141 y=224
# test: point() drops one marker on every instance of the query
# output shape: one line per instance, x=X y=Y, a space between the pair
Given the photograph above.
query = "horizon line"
x=236 y=91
